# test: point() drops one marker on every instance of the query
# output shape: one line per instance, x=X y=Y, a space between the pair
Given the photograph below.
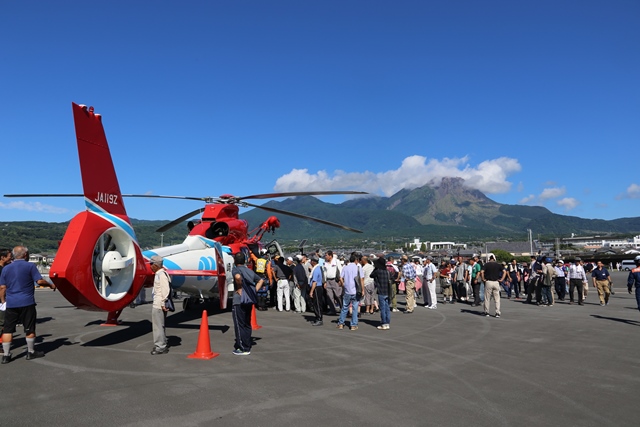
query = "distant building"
x=514 y=248
x=434 y=246
x=596 y=242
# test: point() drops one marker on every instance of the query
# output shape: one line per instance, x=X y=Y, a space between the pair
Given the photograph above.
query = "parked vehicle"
x=628 y=265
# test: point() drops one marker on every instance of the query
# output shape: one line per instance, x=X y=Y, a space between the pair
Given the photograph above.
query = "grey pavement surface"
x=565 y=365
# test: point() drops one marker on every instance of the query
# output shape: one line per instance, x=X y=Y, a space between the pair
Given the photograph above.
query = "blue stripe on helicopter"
x=217 y=245
x=118 y=222
x=176 y=281
x=148 y=254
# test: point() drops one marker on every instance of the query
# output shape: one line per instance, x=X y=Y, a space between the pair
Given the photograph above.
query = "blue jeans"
x=349 y=299
x=385 y=312
x=482 y=292
x=507 y=288
x=637 y=297
x=546 y=295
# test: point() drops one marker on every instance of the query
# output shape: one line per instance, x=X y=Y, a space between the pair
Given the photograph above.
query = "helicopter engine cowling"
x=99 y=265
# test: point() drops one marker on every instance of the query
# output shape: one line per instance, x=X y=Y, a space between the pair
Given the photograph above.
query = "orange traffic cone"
x=254 y=320
x=203 y=349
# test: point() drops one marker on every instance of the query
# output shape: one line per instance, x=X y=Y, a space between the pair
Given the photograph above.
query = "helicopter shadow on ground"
x=123 y=332
x=126 y=331
x=178 y=320
x=617 y=319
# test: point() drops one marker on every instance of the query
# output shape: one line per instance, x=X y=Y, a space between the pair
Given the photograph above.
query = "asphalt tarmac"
x=565 y=365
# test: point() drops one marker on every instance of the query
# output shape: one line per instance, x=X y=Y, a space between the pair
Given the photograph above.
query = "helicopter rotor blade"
x=297 y=215
x=43 y=195
x=148 y=196
x=179 y=220
x=231 y=199
x=299 y=193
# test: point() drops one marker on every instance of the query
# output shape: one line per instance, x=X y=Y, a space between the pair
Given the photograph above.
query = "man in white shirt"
x=429 y=279
x=332 y=286
x=577 y=279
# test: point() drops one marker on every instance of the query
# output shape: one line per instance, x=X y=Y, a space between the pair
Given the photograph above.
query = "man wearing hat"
x=561 y=280
x=577 y=278
x=161 y=290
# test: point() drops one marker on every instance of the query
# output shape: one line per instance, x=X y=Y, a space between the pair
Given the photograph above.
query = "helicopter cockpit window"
x=217 y=229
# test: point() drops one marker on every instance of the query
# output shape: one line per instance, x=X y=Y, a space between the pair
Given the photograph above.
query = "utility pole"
x=162 y=240
x=530 y=241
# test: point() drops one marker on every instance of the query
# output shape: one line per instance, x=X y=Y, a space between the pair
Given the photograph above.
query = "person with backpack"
x=262 y=267
x=246 y=283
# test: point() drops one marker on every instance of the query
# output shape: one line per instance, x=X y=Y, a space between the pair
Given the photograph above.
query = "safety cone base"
x=205 y=356
x=203 y=349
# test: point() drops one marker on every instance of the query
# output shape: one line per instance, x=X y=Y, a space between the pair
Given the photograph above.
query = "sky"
x=532 y=102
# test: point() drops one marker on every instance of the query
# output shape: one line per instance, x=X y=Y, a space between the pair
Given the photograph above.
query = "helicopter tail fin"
x=99 y=180
x=99 y=265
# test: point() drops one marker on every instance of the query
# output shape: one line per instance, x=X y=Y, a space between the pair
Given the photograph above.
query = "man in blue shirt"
x=316 y=291
x=17 y=289
x=348 y=276
x=602 y=282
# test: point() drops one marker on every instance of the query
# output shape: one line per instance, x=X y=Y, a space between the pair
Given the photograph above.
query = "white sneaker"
x=434 y=307
x=385 y=326
x=395 y=310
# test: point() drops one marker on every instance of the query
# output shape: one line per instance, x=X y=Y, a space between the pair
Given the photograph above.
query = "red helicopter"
x=99 y=264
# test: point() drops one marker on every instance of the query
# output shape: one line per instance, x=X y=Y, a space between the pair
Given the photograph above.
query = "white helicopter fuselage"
x=197 y=253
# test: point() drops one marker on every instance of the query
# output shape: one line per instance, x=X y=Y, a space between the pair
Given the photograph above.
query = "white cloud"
x=520 y=187
x=568 y=203
x=530 y=198
x=489 y=176
x=633 y=192
x=33 y=207
x=552 y=193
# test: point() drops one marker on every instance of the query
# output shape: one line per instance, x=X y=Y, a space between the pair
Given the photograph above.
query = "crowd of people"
x=345 y=286
x=327 y=284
